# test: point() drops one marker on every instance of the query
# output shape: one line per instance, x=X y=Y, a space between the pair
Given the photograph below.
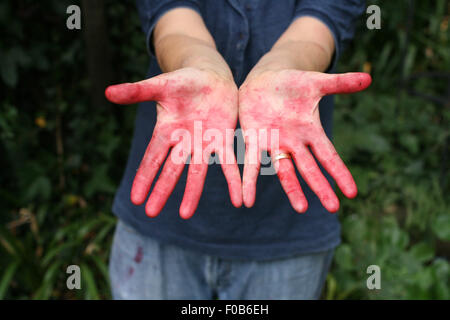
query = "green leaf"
x=344 y=257
x=422 y=252
x=7 y=277
x=102 y=266
x=41 y=187
x=48 y=282
x=54 y=251
x=411 y=142
x=441 y=226
x=441 y=273
x=331 y=287
x=89 y=282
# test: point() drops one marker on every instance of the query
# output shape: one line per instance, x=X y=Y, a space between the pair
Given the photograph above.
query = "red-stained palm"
x=288 y=100
x=187 y=99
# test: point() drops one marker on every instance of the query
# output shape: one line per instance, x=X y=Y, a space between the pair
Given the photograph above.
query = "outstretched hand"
x=288 y=101
x=196 y=115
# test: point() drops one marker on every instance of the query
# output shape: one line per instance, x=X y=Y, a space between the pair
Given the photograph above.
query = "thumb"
x=345 y=82
x=129 y=93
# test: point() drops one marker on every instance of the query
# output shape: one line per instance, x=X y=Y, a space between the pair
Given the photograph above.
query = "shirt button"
x=239 y=45
x=241 y=35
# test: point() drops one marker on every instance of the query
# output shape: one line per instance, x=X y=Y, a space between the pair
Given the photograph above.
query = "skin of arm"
x=181 y=40
x=282 y=92
x=196 y=94
x=306 y=45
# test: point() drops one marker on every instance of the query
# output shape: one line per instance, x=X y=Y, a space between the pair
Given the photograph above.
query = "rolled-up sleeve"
x=151 y=10
x=339 y=16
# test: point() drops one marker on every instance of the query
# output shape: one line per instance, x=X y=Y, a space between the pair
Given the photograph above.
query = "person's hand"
x=196 y=115
x=288 y=101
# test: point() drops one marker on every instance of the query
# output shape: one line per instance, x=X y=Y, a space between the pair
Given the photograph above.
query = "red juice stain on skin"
x=139 y=255
x=355 y=82
x=123 y=93
x=206 y=90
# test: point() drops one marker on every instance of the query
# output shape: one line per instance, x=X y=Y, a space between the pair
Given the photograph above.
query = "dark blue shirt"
x=244 y=30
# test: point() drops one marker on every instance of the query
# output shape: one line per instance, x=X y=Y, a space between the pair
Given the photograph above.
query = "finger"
x=344 y=82
x=290 y=184
x=315 y=179
x=129 y=93
x=252 y=165
x=163 y=188
x=194 y=187
x=231 y=171
x=330 y=160
x=151 y=162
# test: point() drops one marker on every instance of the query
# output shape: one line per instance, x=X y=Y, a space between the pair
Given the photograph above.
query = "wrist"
x=298 y=55
x=212 y=65
x=179 y=51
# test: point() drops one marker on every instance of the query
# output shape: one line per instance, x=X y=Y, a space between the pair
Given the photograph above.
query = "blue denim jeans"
x=142 y=268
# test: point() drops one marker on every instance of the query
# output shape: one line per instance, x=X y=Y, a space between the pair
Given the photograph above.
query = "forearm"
x=306 y=45
x=182 y=40
x=178 y=51
x=299 y=55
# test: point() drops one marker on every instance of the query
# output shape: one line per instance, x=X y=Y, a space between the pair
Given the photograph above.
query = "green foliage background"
x=63 y=158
